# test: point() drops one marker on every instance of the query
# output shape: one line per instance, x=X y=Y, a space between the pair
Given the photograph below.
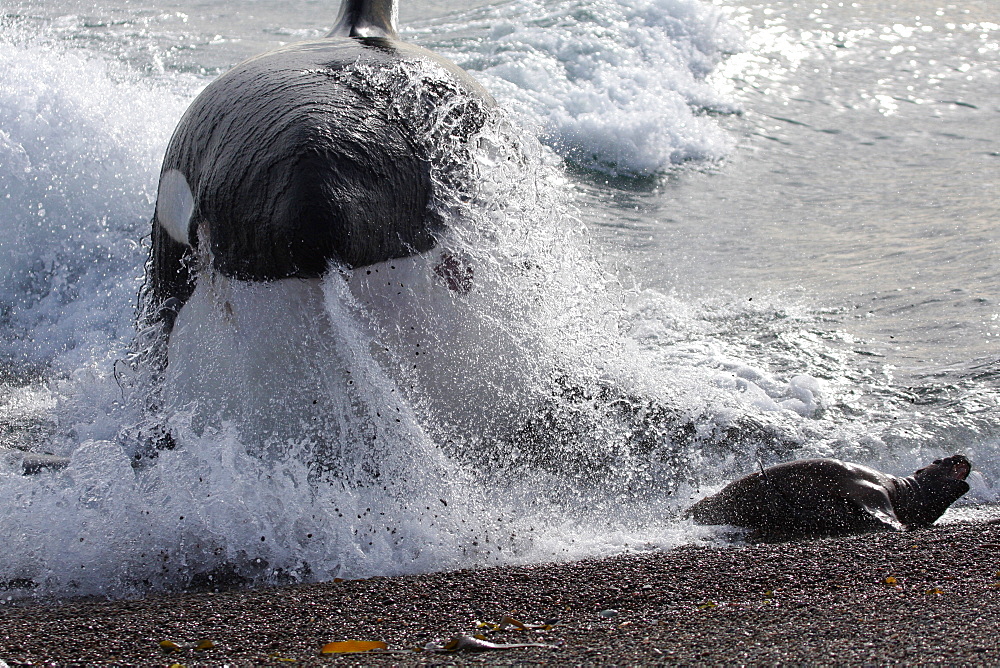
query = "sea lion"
x=815 y=497
x=300 y=158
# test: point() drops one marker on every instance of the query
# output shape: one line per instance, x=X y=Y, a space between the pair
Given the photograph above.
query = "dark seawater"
x=777 y=220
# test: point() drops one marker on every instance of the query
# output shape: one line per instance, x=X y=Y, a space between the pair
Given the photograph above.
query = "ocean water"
x=705 y=237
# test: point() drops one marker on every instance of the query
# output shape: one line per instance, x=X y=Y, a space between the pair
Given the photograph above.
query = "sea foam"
x=623 y=88
x=80 y=145
x=402 y=474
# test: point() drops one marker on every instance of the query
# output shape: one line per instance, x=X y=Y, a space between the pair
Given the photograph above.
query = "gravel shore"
x=911 y=598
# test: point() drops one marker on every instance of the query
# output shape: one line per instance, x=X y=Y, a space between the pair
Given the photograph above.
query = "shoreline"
x=915 y=597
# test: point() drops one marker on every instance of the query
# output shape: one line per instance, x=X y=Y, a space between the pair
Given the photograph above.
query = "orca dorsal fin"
x=366 y=18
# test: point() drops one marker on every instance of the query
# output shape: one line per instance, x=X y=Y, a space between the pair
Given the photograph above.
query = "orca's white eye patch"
x=174 y=205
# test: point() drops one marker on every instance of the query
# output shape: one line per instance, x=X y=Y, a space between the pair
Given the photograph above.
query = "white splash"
x=618 y=87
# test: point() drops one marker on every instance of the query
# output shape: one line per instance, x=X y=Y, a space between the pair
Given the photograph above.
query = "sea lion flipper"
x=871 y=498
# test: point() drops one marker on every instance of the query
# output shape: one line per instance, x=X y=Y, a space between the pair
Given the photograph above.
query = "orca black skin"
x=296 y=159
x=816 y=497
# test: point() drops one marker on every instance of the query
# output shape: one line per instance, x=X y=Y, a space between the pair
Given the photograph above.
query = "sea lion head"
x=956 y=467
x=930 y=490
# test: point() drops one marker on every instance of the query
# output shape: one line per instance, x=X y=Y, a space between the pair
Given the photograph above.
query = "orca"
x=323 y=156
x=298 y=159
x=320 y=156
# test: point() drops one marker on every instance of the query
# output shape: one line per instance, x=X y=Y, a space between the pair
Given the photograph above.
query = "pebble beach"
x=921 y=597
